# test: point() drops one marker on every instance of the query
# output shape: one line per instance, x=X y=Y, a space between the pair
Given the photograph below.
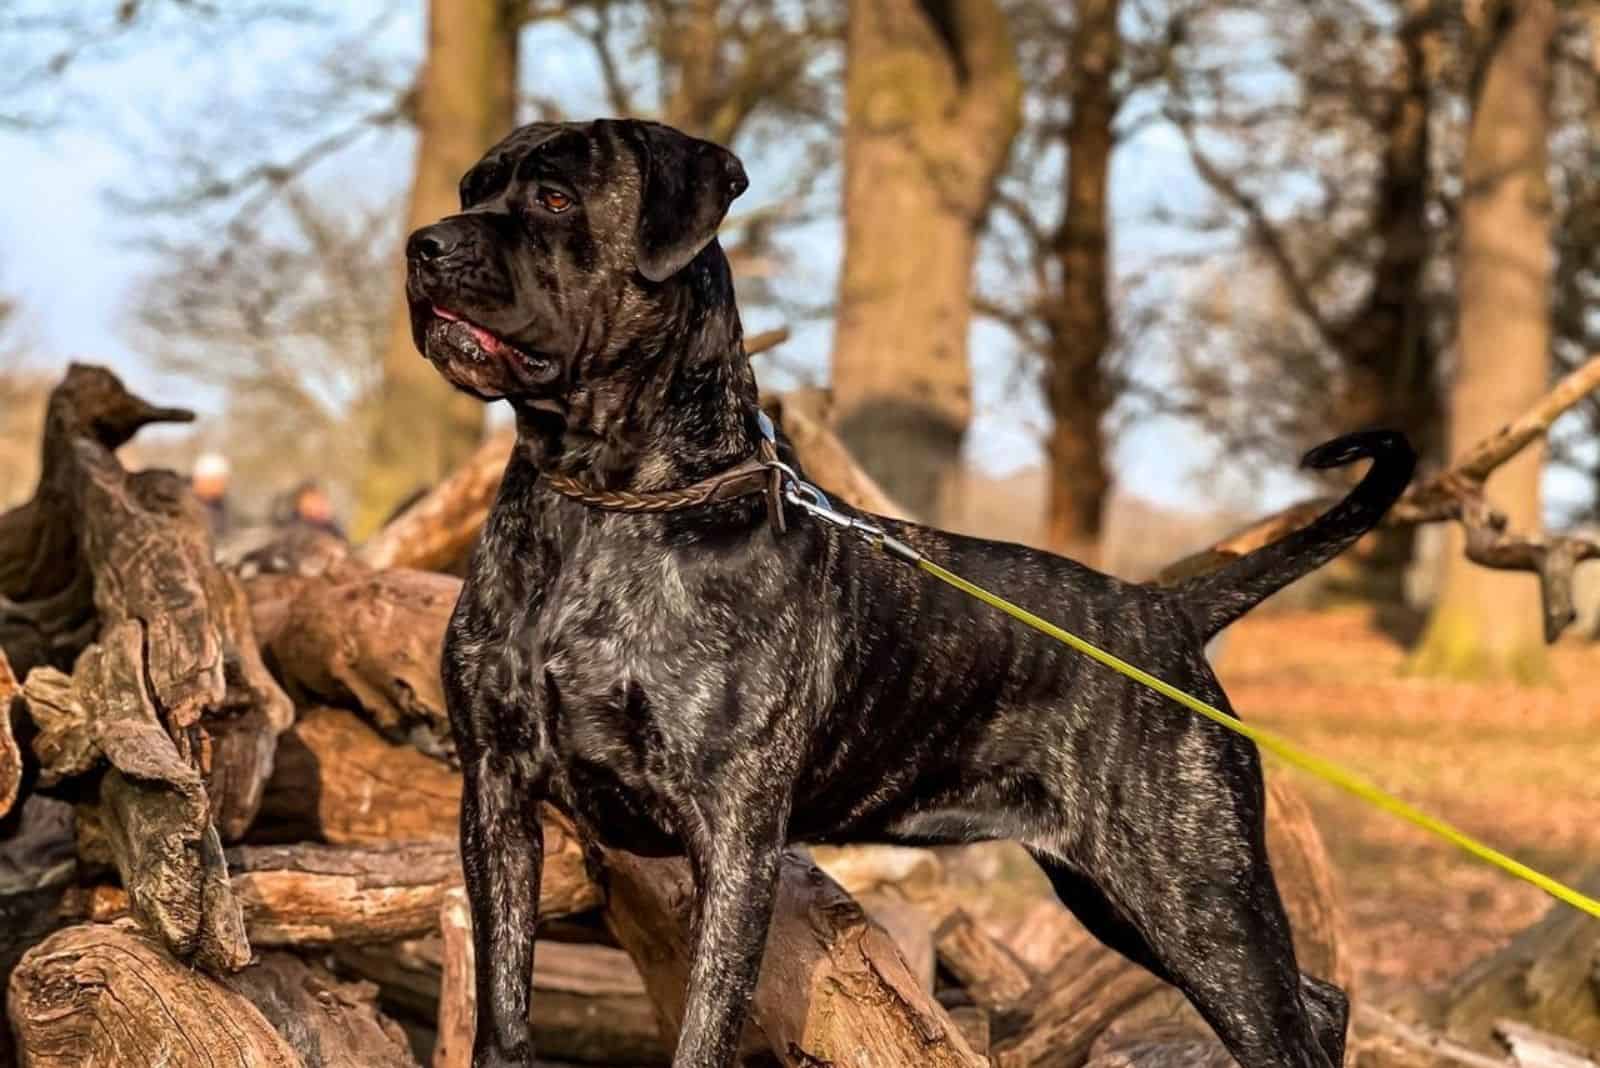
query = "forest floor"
x=1512 y=766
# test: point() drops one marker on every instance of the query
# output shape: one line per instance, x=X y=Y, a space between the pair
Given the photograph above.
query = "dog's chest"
x=634 y=664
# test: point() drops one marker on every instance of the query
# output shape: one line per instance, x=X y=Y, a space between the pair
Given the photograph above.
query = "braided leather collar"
x=755 y=475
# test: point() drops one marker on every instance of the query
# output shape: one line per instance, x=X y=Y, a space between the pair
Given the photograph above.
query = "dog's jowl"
x=654 y=656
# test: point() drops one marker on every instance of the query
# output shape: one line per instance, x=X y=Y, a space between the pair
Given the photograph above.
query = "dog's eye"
x=553 y=200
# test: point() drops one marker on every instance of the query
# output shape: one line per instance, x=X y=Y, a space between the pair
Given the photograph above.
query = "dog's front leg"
x=502 y=856
x=735 y=858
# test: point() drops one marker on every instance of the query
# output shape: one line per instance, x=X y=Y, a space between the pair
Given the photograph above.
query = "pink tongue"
x=488 y=340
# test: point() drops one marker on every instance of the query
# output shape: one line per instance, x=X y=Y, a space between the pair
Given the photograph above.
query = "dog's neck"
x=673 y=407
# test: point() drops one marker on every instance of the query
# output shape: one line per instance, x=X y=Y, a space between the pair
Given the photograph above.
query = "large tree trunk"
x=1080 y=324
x=933 y=101
x=1486 y=623
x=1391 y=367
x=466 y=100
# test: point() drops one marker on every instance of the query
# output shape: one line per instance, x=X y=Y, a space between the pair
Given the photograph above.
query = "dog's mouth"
x=476 y=358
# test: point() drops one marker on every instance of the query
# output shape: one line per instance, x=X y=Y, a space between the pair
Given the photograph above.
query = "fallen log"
x=338 y=780
x=833 y=987
x=107 y=996
x=996 y=980
x=372 y=644
x=327 y=1023
x=314 y=895
x=1054 y=1028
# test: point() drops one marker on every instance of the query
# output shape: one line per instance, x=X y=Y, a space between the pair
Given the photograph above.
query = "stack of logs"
x=228 y=827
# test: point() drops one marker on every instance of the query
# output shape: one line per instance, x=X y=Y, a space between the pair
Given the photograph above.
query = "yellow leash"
x=1279 y=746
x=816 y=503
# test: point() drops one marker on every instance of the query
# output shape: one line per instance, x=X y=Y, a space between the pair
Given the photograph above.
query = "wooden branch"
x=1456 y=495
x=833 y=987
x=1080 y=997
x=1532 y=1048
x=996 y=980
x=824 y=457
x=439 y=528
x=10 y=752
x=1425 y=1040
x=1544 y=977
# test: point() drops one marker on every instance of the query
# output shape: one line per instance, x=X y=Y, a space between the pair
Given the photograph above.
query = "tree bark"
x=1486 y=624
x=833 y=988
x=932 y=97
x=421 y=429
x=337 y=780
x=1079 y=326
x=105 y=997
x=372 y=643
x=100 y=995
x=1390 y=364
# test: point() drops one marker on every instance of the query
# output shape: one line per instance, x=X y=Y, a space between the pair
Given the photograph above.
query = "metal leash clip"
x=815 y=503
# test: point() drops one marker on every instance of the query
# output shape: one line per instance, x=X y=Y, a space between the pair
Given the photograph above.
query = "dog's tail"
x=1219 y=598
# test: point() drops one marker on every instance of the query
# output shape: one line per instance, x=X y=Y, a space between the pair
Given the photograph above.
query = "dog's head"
x=570 y=242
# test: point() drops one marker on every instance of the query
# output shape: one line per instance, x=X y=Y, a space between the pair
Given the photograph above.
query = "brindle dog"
x=699 y=683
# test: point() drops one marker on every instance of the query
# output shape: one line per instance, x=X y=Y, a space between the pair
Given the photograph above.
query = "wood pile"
x=228 y=830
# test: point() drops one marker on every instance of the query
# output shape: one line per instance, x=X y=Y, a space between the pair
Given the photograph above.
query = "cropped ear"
x=685 y=187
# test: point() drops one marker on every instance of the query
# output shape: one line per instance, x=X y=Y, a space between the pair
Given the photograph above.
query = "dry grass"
x=1512 y=766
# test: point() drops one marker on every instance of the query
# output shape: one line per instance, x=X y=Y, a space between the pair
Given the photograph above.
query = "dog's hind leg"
x=1222 y=938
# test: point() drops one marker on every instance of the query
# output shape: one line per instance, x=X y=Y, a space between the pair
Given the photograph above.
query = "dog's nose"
x=431 y=243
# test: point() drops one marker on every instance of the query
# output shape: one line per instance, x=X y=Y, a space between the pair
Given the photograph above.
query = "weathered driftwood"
x=1532 y=1048
x=1069 y=1008
x=1548 y=977
x=1457 y=495
x=152 y=804
x=372 y=643
x=833 y=988
x=46 y=595
x=10 y=752
x=107 y=996
x=170 y=716
x=1159 y=1051
x=589 y=1001
x=327 y=1023
x=995 y=979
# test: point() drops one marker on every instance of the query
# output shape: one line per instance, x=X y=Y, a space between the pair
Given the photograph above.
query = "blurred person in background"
x=209 y=481
x=309 y=506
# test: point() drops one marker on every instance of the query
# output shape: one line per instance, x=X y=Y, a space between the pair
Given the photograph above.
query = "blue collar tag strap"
x=815 y=503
